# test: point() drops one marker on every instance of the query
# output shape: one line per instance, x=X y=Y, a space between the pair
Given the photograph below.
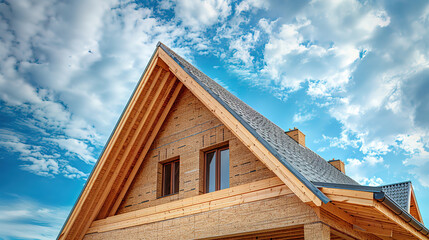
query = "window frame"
x=217 y=166
x=172 y=177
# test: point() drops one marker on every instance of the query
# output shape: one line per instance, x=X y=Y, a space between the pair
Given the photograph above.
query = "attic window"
x=170 y=177
x=216 y=164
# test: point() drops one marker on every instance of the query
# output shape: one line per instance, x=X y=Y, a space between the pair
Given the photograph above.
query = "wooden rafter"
x=369 y=215
x=132 y=147
x=145 y=150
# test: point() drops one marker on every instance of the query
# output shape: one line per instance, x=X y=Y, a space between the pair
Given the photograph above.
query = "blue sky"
x=352 y=75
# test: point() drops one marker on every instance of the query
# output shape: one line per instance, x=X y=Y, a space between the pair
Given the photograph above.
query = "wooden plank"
x=342 y=226
x=330 y=207
x=374 y=230
x=102 y=161
x=348 y=193
x=197 y=204
x=128 y=156
x=349 y=196
x=145 y=150
x=242 y=133
x=225 y=193
x=398 y=220
x=103 y=212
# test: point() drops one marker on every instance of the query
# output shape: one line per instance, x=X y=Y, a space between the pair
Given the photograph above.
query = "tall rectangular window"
x=216 y=169
x=170 y=177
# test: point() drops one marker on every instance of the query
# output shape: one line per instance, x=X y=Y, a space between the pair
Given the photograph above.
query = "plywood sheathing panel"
x=189 y=128
x=270 y=213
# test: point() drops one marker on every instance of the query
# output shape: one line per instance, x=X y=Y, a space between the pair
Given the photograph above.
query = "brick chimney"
x=296 y=135
x=338 y=164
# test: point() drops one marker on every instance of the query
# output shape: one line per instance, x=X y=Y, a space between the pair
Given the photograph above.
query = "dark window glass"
x=217 y=169
x=176 y=177
x=224 y=169
x=210 y=171
x=170 y=178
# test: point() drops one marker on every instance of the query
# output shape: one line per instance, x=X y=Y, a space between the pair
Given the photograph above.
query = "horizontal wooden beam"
x=349 y=196
x=246 y=193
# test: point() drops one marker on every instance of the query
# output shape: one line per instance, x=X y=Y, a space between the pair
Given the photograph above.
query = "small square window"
x=216 y=164
x=170 y=177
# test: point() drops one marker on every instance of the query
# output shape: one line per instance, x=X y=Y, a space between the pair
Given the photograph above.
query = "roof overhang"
x=373 y=211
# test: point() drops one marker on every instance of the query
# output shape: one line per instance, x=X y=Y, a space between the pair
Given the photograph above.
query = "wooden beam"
x=82 y=201
x=145 y=149
x=246 y=193
x=374 y=230
x=398 y=220
x=349 y=196
x=253 y=144
x=343 y=226
x=330 y=207
x=136 y=140
x=341 y=234
x=103 y=214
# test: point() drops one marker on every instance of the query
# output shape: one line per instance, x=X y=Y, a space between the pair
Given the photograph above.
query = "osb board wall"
x=189 y=129
x=276 y=212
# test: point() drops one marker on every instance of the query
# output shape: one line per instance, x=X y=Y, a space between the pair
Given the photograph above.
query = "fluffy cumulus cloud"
x=365 y=64
x=66 y=80
x=197 y=14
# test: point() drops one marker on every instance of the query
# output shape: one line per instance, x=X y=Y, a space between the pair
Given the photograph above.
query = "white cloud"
x=25 y=219
x=37 y=159
x=69 y=79
x=199 y=14
x=247 y=5
x=74 y=146
x=302 y=117
x=358 y=170
x=241 y=47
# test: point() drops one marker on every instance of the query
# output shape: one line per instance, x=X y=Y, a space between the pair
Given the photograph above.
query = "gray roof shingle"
x=306 y=162
x=399 y=192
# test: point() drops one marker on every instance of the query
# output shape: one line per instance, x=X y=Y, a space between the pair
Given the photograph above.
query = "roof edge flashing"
x=394 y=207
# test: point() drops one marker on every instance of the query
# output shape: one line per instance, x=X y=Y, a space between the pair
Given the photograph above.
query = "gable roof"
x=293 y=155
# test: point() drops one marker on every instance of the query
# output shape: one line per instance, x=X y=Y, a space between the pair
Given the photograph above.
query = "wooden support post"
x=317 y=231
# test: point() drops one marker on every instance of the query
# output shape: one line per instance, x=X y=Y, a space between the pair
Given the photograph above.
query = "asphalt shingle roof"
x=309 y=164
x=399 y=192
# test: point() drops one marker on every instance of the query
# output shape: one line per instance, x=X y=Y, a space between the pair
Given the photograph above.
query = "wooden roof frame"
x=107 y=169
x=354 y=205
